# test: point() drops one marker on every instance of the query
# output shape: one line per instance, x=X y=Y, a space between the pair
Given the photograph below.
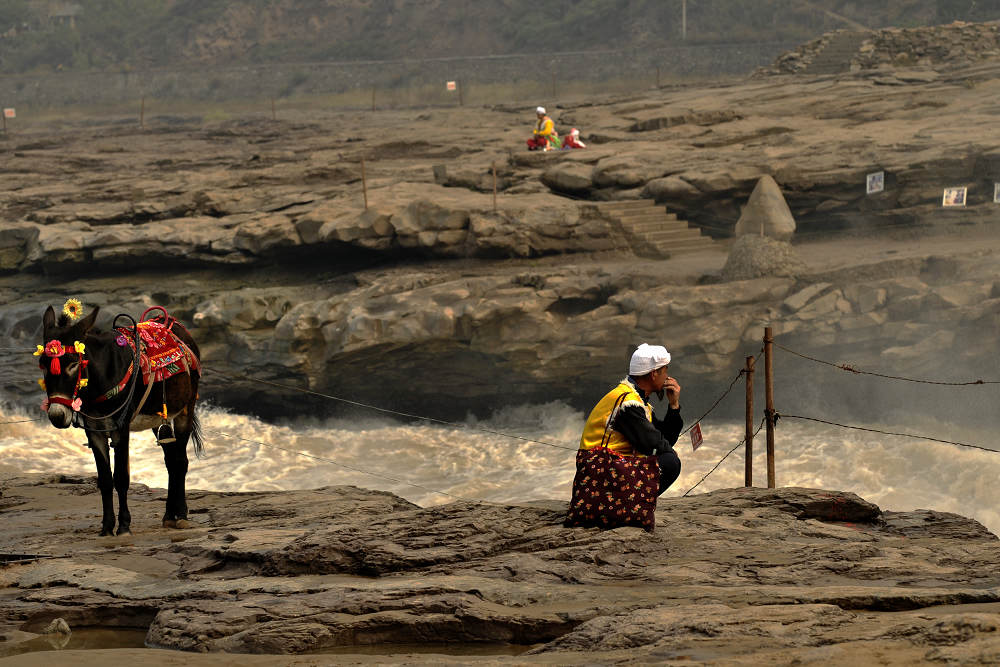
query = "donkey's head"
x=62 y=361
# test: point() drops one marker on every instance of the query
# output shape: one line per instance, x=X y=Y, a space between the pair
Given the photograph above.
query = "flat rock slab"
x=727 y=577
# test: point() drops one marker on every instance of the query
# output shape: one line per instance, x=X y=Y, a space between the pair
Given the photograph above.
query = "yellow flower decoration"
x=41 y=383
x=73 y=309
x=39 y=351
x=83 y=382
x=79 y=347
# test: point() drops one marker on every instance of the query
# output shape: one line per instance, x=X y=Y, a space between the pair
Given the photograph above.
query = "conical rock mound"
x=766 y=212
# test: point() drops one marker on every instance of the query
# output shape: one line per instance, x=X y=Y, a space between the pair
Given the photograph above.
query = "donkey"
x=101 y=380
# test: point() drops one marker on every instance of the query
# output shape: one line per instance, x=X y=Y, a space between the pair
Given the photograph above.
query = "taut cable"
x=852 y=369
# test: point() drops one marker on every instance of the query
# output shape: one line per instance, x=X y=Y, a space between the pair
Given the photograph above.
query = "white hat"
x=575 y=132
x=648 y=358
x=540 y=110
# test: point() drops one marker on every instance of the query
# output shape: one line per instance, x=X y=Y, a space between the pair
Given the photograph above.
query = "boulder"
x=569 y=177
x=671 y=188
x=15 y=246
x=767 y=213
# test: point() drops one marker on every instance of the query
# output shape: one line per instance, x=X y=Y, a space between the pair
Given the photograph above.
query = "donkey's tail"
x=197 y=436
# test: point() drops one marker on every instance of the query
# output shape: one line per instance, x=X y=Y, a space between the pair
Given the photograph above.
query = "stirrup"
x=165 y=438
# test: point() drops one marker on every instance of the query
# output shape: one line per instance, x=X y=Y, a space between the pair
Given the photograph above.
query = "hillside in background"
x=45 y=35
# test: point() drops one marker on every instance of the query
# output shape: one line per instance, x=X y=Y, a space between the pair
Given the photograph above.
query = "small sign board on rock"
x=954 y=197
x=9 y=113
x=876 y=182
x=451 y=85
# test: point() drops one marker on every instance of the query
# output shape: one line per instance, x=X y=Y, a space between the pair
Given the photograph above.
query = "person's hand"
x=672 y=389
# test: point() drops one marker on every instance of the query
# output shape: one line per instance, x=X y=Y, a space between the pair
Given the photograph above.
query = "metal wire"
x=874 y=430
x=393 y=412
x=849 y=368
x=738 y=445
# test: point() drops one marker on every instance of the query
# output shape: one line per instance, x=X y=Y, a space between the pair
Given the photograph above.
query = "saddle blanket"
x=162 y=354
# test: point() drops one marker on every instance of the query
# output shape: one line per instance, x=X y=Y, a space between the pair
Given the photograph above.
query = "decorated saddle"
x=161 y=353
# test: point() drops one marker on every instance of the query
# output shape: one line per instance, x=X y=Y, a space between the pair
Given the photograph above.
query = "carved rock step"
x=652 y=231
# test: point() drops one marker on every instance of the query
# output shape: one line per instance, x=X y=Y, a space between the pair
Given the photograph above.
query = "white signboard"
x=996 y=193
x=954 y=197
x=876 y=182
x=451 y=85
x=9 y=113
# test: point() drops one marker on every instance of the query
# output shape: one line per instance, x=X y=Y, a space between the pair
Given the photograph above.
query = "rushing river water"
x=502 y=459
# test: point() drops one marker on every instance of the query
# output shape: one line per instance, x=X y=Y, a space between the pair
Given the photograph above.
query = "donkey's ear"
x=85 y=325
x=48 y=322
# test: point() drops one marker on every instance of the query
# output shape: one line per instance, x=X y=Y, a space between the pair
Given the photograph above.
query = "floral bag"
x=611 y=490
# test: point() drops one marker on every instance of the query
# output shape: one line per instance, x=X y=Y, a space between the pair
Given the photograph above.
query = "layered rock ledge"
x=729 y=577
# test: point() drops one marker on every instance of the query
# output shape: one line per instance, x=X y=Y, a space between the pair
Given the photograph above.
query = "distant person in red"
x=573 y=140
x=544 y=137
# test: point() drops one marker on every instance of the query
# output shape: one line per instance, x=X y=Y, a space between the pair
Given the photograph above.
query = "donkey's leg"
x=102 y=456
x=119 y=439
x=176 y=459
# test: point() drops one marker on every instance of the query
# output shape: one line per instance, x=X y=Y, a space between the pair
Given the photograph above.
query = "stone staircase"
x=652 y=231
x=835 y=58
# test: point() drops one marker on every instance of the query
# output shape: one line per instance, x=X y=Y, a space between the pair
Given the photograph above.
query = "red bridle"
x=54 y=349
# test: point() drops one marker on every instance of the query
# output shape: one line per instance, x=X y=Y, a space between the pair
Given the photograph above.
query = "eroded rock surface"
x=726 y=576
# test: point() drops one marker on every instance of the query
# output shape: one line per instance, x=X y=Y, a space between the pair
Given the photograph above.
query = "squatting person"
x=634 y=429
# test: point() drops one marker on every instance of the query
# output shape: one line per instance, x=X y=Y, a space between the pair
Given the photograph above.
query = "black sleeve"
x=648 y=437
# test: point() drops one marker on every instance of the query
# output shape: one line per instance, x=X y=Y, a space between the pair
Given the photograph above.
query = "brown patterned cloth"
x=611 y=490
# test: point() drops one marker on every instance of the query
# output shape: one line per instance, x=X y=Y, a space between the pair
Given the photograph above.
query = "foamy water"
x=422 y=461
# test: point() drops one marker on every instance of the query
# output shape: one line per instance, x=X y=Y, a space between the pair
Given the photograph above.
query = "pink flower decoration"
x=77 y=404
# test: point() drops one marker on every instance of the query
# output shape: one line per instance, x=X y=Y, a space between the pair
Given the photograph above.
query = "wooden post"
x=748 y=474
x=274 y=114
x=4 y=121
x=684 y=20
x=364 y=183
x=373 y=98
x=657 y=76
x=458 y=84
x=494 y=187
x=142 y=113
x=769 y=410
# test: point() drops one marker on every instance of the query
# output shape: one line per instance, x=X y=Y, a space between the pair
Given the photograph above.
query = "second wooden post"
x=748 y=475
x=769 y=408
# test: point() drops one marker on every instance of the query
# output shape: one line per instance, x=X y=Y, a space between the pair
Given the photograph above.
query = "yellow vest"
x=624 y=395
x=545 y=127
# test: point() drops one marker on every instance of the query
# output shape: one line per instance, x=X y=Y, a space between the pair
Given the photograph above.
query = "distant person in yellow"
x=544 y=137
x=627 y=417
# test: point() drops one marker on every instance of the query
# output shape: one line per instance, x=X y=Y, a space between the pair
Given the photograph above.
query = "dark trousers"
x=670 y=469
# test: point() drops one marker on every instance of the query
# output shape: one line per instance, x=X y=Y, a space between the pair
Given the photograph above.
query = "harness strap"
x=114 y=391
x=142 y=402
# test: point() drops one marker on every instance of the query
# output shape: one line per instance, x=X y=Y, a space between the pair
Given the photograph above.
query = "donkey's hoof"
x=183 y=523
x=124 y=531
x=169 y=523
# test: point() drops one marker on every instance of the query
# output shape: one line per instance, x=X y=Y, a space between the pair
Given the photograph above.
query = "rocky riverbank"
x=730 y=577
x=433 y=301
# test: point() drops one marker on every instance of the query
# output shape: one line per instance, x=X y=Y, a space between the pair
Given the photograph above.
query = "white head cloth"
x=540 y=110
x=647 y=358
